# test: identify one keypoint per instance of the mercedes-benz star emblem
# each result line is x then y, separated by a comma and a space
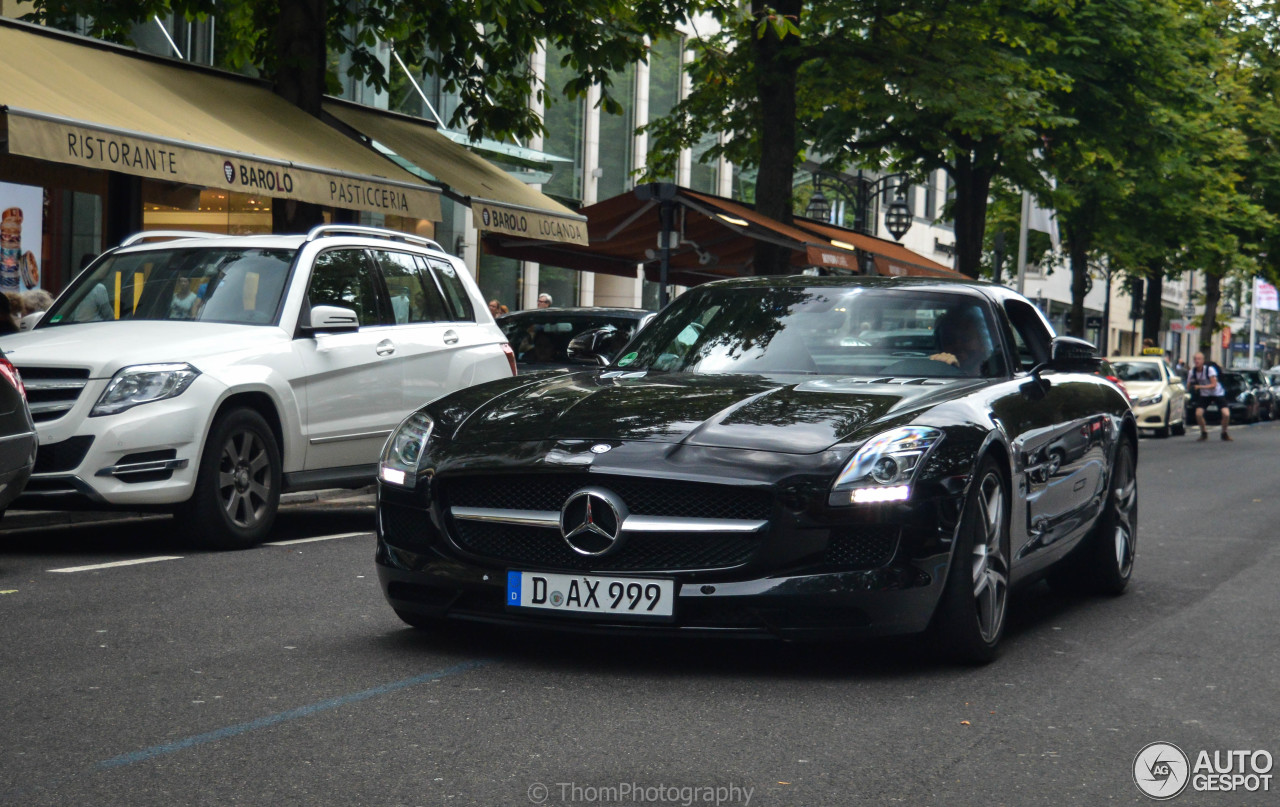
591, 521
601, 448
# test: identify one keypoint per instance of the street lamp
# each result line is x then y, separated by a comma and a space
819, 208
897, 218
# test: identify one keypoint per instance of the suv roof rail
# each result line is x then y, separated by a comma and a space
147, 235
322, 230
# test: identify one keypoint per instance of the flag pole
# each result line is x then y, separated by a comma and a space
1022, 243
1253, 319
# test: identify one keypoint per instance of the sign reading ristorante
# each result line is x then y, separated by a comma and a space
93, 148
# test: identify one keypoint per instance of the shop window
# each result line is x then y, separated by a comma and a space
501, 279
561, 284
168, 206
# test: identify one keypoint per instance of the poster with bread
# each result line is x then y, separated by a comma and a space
21, 236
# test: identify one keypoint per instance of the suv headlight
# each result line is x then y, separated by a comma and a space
884, 468
1150, 400
402, 455
141, 384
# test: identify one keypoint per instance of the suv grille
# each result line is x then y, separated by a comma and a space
52, 391
643, 497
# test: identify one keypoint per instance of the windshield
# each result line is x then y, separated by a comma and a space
822, 330
207, 285
1138, 371
543, 340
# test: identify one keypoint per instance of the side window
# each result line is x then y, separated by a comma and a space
414, 296
1030, 338
343, 277
454, 291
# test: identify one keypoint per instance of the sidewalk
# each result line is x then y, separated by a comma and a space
34, 519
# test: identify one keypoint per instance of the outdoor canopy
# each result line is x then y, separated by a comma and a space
715, 238
83, 102
500, 203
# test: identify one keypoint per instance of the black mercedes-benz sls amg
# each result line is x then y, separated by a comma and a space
797, 457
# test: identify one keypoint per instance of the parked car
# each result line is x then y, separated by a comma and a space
740, 470
540, 337
1155, 392
1242, 401
208, 374
1268, 403
17, 434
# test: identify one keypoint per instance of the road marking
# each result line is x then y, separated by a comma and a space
318, 538
292, 714
117, 563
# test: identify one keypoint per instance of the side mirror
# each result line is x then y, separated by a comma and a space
592, 347
333, 319
1068, 354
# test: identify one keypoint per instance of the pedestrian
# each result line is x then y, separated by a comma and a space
495, 307
35, 302
1206, 390
544, 300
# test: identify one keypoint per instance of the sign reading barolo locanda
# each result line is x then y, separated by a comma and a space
493, 217
91, 147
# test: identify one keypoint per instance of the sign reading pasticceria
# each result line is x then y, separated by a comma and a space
91, 147
538, 224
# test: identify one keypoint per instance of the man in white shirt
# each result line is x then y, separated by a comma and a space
1206, 389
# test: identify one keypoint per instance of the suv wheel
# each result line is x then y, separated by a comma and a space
238, 483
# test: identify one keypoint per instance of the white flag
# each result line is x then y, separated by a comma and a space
1046, 221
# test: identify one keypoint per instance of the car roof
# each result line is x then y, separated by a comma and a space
981, 288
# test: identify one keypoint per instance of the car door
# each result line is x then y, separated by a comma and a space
475, 353
1061, 437
427, 336
351, 380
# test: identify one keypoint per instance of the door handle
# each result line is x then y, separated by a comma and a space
451, 337
385, 348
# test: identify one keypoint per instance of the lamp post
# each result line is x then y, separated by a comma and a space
897, 218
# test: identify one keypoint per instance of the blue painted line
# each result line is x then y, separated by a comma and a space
292, 714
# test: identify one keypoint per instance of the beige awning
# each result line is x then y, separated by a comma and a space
500, 202
81, 102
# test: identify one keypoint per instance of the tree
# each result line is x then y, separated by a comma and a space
479, 50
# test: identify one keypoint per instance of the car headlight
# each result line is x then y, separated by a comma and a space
885, 467
402, 455
141, 384
1154, 399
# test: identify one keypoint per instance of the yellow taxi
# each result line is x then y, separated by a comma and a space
1156, 393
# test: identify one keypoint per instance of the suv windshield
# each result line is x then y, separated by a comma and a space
821, 330
205, 284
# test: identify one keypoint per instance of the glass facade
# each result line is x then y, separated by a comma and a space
666, 61
564, 121
617, 133
705, 176
561, 284
501, 279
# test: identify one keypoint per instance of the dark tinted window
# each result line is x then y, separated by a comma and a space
343, 277
455, 293
414, 295
1030, 339
545, 340
1138, 371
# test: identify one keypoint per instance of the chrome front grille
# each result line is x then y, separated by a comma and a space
52, 391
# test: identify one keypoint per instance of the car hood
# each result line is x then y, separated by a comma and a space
724, 411
1143, 389
105, 347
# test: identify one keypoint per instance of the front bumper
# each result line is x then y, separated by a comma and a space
796, 585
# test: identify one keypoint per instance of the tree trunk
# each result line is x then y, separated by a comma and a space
301, 45
973, 184
776, 85
1153, 310
1212, 294
1078, 248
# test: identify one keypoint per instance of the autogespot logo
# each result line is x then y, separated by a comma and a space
1161, 771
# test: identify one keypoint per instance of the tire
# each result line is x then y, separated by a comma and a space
1167, 429
237, 490
975, 598
1103, 564
1180, 428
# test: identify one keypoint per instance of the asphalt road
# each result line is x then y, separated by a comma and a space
278, 676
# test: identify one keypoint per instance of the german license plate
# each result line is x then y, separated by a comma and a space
628, 597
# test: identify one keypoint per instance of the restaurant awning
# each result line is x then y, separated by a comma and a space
501, 203
890, 258
716, 239
83, 102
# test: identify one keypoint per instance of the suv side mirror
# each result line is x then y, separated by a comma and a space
592, 347
1068, 354
333, 319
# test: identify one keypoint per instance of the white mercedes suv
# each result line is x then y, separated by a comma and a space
207, 374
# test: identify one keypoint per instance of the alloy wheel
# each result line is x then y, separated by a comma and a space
1125, 499
244, 479
990, 563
